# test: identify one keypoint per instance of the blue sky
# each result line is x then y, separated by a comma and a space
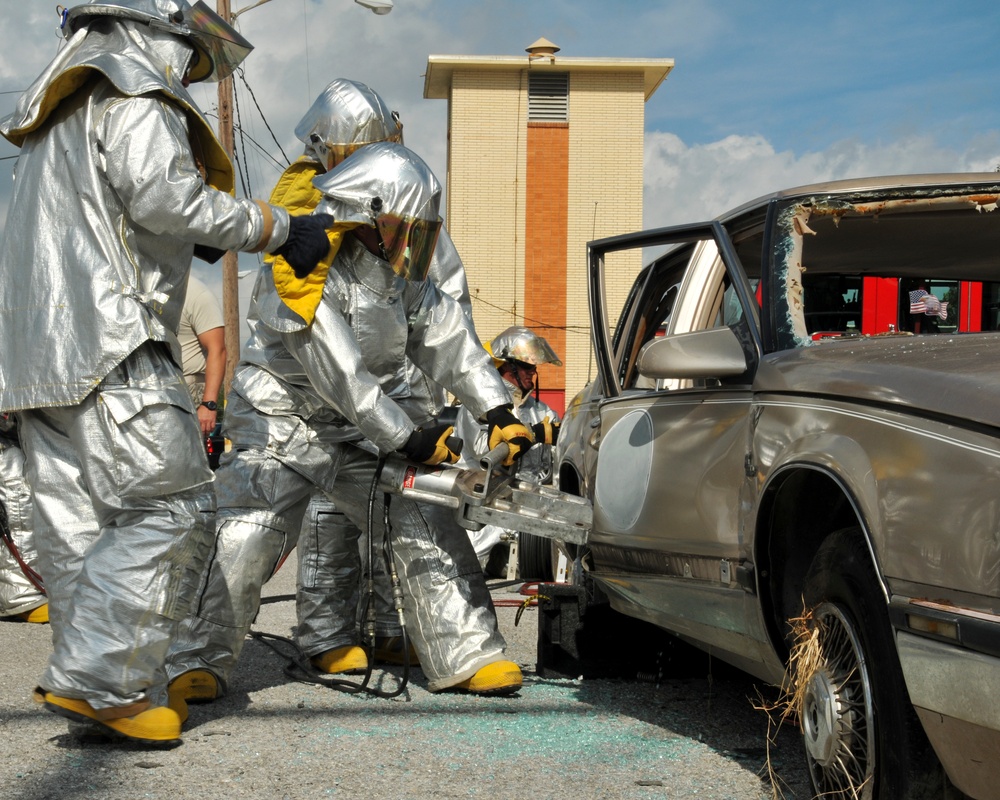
764, 95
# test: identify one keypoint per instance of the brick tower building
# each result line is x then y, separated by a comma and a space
545, 153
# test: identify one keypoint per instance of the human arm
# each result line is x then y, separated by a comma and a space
329, 355
162, 189
213, 342
443, 343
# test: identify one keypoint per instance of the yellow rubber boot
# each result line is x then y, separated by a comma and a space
349, 659
39, 615
177, 702
500, 677
92, 732
159, 726
195, 686
389, 650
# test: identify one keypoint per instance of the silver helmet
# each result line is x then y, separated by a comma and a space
219, 49
389, 188
523, 344
346, 116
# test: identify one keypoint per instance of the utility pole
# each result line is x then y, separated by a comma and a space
230, 261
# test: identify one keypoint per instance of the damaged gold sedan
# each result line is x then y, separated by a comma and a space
793, 454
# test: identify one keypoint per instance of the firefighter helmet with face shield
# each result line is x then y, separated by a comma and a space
388, 187
219, 49
347, 115
524, 345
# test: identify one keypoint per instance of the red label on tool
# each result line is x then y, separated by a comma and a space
410, 477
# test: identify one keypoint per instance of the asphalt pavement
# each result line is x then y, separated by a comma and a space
652, 736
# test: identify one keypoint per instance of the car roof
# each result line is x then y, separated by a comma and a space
874, 184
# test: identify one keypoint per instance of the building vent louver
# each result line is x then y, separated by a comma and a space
548, 97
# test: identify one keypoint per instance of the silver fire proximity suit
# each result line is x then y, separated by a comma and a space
21, 590
344, 117
118, 179
329, 561
316, 400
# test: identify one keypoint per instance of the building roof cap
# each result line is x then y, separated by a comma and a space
441, 68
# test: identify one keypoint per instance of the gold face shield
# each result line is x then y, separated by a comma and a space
407, 243
335, 153
218, 47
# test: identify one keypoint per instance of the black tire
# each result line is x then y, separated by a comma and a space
863, 740
534, 558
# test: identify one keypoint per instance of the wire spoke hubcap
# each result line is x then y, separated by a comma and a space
836, 711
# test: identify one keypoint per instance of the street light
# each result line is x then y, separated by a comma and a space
230, 261
377, 6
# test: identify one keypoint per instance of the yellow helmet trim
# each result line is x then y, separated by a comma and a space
497, 362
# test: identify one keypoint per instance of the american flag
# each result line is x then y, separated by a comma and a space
923, 302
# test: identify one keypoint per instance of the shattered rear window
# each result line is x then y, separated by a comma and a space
898, 263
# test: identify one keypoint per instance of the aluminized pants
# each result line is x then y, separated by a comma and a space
262, 501
17, 593
123, 523
449, 611
329, 601
261, 506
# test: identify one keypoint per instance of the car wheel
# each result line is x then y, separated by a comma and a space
862, 738
534, 557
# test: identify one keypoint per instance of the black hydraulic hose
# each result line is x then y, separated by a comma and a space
397, 590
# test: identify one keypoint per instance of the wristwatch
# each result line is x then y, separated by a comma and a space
211, 405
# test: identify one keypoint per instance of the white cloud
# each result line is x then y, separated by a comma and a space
694, 183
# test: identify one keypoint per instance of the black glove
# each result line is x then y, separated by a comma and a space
307, 243
433, 445
546, 431
505, 427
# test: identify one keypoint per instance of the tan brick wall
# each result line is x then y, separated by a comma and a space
486, 192
605, 199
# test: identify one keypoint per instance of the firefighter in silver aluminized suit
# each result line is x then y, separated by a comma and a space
22, 591
344, 117
315, 402
517, 353
118, 180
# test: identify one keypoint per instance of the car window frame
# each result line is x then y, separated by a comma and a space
608, 354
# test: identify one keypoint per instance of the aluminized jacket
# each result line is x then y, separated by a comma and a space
109, 202
295, 192
348, 367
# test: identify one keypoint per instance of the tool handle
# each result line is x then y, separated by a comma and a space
455, 443
495, 458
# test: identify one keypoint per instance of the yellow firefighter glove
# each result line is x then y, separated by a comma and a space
503, 426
